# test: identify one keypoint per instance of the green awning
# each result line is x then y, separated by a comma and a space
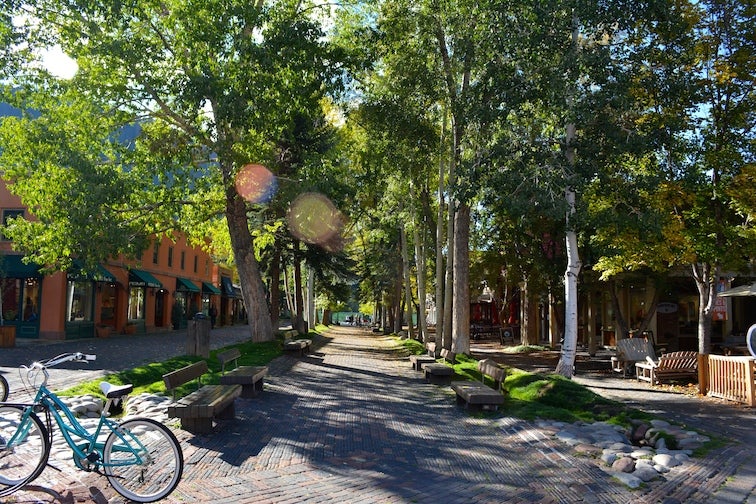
100, 274
13, 266
209, 288
228, 287
140, 278
184, 285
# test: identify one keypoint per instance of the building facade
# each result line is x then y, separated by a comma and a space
169, 285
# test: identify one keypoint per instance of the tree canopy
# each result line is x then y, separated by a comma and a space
434, 129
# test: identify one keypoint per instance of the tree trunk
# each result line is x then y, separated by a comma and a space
288, 294
620, 324
566, 365
275, 287
706, 282
461, 303
407, 282
528, 315
397, 301
298, 289
421, 279
311, 316
446, 341
253, 289
440, 268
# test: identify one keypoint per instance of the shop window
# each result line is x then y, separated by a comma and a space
107, 310
136, 303
79, 301
31, 300
11, 290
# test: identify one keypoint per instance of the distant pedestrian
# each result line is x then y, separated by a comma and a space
213, 316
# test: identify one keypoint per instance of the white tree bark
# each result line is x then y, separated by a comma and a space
566, 364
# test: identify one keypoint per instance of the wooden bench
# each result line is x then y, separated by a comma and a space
300, 346
249, 377
440, 373
198, 409
479, 395
429, 357
670, 366
631, 351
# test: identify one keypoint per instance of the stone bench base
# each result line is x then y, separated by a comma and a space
249, 377
438, 374
300, 346
477, 395
198, 409
417, 361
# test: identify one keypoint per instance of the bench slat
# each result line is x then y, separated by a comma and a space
227, 356
186, 374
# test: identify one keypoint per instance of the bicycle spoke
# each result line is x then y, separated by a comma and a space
143, 460
4, 389
24, 448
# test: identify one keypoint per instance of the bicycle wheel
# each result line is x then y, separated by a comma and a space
4, 390
143, 460
24, 448
751, 340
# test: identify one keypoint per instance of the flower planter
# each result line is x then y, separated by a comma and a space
7, 336
129, 329
103, 331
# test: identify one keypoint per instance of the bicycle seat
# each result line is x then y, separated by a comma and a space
115, 391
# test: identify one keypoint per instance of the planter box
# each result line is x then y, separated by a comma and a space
129, 329
7, 336
103, 331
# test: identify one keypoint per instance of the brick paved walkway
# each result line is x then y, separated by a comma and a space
352, 423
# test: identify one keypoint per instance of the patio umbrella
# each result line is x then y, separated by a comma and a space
743, 290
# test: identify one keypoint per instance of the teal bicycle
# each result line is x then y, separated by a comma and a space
140, 457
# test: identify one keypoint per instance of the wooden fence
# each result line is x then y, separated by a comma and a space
728, 377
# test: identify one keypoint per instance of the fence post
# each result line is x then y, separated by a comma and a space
750, 392
703, 373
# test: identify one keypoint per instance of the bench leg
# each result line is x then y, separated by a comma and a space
252, 390
228, 413
197, 425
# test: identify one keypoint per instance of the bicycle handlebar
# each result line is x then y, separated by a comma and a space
67, 357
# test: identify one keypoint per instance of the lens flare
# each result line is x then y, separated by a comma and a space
255, 183
314, 219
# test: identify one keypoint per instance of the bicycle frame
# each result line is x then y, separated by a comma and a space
90, 451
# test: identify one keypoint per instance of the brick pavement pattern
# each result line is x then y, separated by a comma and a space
353, 423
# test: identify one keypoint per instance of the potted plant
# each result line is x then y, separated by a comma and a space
103, 331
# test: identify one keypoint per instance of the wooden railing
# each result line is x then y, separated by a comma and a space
728, 377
